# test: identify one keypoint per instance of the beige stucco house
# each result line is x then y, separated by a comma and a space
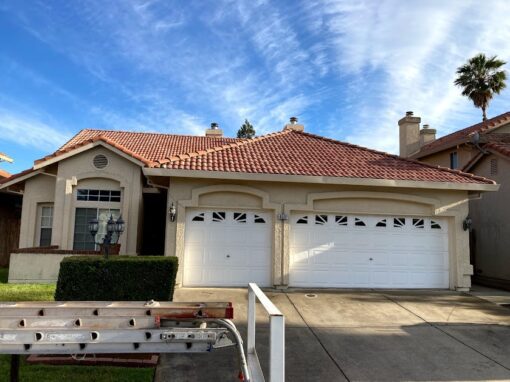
284, 209
484, 150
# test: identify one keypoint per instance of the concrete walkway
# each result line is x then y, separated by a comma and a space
364, 336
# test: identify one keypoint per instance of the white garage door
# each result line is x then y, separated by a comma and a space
334, 250
227, 248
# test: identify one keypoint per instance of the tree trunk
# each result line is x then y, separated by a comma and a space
484, 113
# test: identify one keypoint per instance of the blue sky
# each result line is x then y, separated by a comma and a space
348, 69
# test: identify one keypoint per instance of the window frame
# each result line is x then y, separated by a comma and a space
39, 224
454, 160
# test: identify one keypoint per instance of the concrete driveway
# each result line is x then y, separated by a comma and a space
364, 336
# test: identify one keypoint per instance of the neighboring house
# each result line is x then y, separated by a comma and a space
284, 209
484, 150
10, 218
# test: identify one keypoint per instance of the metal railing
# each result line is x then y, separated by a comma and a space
276, 337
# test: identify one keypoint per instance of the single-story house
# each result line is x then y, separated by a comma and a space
284, 209
484, 150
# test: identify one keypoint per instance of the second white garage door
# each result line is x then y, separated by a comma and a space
227, 248
335, 250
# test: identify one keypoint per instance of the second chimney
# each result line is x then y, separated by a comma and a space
294, 125
214, 131
427, 135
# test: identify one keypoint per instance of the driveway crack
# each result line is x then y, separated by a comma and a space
444, 332
318, 340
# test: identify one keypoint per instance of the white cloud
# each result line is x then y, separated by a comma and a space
30, 132
409, 51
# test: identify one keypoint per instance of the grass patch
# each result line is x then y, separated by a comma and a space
43, 373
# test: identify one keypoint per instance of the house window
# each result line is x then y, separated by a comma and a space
494, 166
83, 240
98, 195
45, 224
454, 161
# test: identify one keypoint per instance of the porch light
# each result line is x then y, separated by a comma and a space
172, 212
93, 227
467, 224
112, 227
119, 225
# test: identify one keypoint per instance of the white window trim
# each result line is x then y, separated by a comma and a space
38, 225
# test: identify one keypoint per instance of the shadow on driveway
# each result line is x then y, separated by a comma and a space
364, 336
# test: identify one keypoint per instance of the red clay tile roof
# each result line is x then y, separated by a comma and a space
461, 136
149, 146
287, 152
18, 175
4, 174
298, 153
500, 147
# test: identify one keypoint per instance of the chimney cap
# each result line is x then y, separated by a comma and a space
214, 125
293, 120
409, 113
426, 126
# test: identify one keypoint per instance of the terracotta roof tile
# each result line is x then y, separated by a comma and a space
461, 136
150, 146
298, 153
4, 174
287, 152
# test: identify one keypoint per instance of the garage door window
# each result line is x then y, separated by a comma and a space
198, 218
399, 222
359, 223
321, 219
302, 220
240, 217
434, 225
418, 223
341, 220
218, 216
258, 219
381, 223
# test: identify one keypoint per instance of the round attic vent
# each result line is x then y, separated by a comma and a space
100, 161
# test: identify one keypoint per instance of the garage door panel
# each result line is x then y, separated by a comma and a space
227, 248
368, 251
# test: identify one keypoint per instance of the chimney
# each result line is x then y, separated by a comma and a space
214, 131
294, 125
409, 127
427, 135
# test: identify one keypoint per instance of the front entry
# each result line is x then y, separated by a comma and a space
227, 248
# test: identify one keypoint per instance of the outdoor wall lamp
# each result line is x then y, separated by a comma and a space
172, 213
467, 224
112, 226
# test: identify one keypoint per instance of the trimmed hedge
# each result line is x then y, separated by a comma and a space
120, 278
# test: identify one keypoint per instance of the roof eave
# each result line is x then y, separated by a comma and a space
320, 179
87, 147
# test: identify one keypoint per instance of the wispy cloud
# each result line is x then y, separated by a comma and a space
352, 68
29, 132
407, 53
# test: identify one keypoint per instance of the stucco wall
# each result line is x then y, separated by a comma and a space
39, 189
38, 268
464, 155
491, 225
120, 173
288, 197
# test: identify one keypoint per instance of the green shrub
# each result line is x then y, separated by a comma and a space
120, 278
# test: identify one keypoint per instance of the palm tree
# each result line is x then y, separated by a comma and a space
480, 78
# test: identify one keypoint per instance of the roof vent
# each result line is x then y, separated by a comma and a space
293, 120
100, 161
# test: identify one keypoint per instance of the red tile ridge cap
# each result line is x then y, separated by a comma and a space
85, 142
394, 156
175, 158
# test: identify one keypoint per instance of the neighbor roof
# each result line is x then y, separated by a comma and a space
297, 153
461, 136
287, 152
